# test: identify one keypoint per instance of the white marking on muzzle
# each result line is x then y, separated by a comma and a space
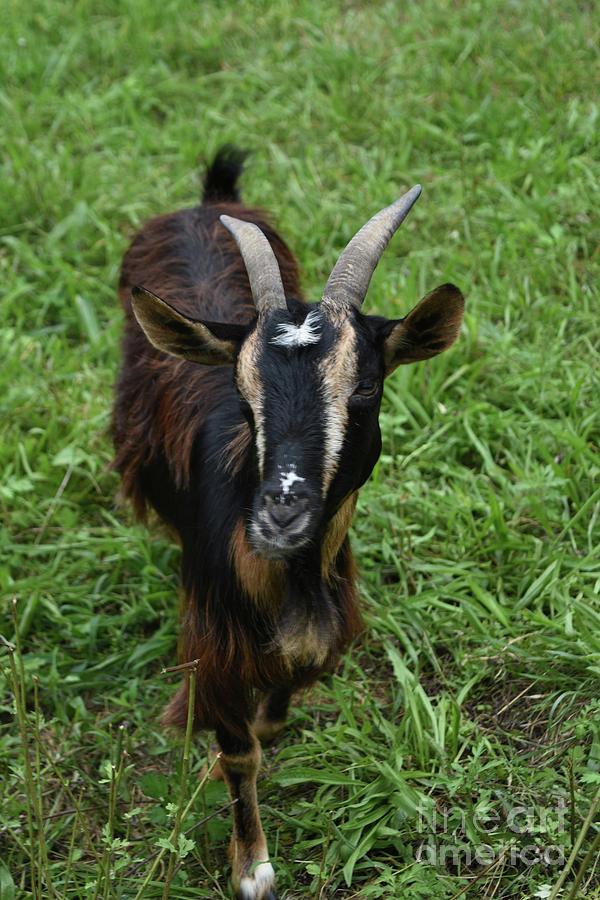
288, 478
309, 332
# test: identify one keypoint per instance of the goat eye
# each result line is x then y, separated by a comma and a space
366, 388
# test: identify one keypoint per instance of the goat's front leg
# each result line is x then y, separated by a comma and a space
252, 873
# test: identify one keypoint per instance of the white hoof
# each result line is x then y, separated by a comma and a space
258, 885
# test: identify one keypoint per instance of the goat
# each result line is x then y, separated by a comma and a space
248, 419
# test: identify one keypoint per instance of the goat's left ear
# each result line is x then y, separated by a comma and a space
430, 328
210, 343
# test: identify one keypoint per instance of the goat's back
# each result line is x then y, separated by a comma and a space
190, 260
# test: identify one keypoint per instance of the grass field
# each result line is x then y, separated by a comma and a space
456, 750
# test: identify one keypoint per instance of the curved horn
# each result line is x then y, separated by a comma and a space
352, 272
260, 261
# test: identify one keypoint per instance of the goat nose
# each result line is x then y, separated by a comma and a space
284, 508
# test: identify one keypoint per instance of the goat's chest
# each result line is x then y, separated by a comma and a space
307, 631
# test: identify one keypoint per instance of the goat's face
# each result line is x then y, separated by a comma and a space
309, 380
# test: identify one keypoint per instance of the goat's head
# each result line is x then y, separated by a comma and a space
309, 376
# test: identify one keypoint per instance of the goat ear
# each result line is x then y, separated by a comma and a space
430, 328
213, 344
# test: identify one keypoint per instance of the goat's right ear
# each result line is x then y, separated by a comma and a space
210, 343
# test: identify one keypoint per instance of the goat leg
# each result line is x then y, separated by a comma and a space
252, 873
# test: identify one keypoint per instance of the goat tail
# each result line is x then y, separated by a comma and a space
221, 178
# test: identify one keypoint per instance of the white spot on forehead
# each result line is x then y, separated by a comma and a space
288, 478
309, 332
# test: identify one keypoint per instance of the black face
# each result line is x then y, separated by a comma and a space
311, 382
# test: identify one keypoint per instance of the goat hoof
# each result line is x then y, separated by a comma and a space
260, 885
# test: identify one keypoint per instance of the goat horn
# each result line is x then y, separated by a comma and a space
260, 261
352, 273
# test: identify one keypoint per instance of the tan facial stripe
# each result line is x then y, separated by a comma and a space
339, 374
249, 383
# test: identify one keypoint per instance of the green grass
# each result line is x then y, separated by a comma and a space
463, 731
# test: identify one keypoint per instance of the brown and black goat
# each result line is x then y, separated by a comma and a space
248, 419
